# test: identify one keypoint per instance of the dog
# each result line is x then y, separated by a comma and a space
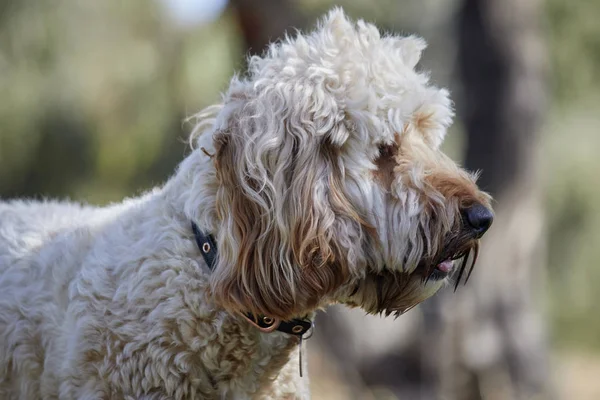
317, 180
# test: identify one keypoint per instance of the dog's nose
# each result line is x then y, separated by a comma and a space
479, 218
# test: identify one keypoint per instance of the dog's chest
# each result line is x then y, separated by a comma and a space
180, 348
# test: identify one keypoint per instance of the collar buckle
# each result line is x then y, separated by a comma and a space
261, 322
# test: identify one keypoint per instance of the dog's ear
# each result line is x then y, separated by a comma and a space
285, 220
433, 117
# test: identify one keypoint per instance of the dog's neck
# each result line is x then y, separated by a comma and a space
298, 326
152, 248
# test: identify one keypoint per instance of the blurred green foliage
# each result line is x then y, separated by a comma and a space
571, 165
95, 94
574, 41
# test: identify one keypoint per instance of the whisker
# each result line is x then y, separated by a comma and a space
426, 278
463, 265
475, 255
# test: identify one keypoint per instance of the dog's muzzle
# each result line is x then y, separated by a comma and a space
476, 221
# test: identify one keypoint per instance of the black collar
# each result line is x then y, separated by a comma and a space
208, 247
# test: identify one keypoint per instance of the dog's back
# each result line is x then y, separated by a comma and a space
35, 269
27, 225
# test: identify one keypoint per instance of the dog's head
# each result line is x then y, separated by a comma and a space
330, 185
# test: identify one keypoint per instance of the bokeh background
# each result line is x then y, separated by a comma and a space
93, 101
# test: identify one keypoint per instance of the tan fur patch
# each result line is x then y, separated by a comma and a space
424, 121
386, 162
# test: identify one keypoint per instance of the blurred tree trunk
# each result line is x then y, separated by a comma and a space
488, 340
265, 21
497, 336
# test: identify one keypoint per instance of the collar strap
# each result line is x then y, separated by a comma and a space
298, 327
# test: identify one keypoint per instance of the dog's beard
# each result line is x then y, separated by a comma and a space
394, 291
388, 292
460, 249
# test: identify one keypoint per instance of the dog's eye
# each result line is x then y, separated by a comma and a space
387, 150
385, 164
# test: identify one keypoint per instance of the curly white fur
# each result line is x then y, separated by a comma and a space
326, 179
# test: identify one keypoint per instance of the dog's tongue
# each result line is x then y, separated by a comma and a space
446, 266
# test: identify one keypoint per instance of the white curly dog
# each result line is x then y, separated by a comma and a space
317, 180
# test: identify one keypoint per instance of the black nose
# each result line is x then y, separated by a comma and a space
479, 218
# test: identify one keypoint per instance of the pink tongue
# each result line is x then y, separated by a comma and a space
445, 266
